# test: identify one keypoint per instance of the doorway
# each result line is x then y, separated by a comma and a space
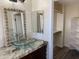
70, 32
58, 25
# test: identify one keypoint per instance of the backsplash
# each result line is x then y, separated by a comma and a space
7, 4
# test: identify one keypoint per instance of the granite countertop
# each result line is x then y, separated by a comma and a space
12, 53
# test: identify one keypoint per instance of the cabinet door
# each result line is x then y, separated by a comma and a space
28, 57
38, 54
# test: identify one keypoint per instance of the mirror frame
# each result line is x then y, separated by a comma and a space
7, 42
40, 12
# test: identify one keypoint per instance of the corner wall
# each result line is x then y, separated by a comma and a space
71, 10
47, 7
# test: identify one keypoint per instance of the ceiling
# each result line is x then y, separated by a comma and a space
69, 1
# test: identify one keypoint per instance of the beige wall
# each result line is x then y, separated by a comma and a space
71, 10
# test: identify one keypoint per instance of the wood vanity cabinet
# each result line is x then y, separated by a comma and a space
38, 54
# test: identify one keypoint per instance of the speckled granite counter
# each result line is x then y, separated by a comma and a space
12, 53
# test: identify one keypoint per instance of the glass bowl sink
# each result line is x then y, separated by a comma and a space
23, 44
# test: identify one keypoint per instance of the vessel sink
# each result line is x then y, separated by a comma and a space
23, 44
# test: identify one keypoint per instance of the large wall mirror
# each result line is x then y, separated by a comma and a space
38, 21
15, 25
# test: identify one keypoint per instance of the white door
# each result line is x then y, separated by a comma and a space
74, 37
